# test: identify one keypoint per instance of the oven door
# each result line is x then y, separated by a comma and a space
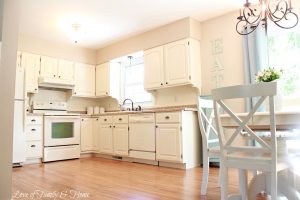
61, 130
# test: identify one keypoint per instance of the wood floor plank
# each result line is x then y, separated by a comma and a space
105, 179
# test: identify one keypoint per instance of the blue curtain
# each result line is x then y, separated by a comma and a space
255, 53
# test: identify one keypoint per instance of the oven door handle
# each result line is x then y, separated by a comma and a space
62, 117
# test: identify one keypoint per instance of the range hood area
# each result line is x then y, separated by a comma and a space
47, 82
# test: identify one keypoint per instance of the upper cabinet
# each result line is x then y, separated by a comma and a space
54, 68
31, 64
66, 70
84, 80
108, 80
173, 64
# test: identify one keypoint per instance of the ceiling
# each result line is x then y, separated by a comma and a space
103, 22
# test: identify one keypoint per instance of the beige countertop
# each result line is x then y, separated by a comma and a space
148, 110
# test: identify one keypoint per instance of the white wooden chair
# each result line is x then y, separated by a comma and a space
210, 138
246, 157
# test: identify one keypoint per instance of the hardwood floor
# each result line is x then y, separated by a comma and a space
98, 178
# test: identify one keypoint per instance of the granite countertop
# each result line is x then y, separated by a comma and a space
148, 110
144, 110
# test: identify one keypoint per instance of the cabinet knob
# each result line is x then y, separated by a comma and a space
106, 92
161, 83
75, 93
58, 76
35, 89
105, 119
109, 126
53, 75
167, 83
120, 119
167, 117
114, 126
97, 119
156, 126
32, 146
82, 119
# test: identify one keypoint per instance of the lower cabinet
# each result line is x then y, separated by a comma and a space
114, 135
34, 137
89, 131
178, 138
168, 142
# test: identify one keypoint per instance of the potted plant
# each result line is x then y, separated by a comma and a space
269, 75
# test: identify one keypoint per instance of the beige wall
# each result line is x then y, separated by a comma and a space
171, 32
7, 81
54, 49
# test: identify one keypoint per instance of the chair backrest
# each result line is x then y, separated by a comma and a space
262, 91
208, 131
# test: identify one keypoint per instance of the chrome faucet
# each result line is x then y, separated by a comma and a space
131, 103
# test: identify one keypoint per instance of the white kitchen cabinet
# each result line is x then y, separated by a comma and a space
88, 132
31, 64
57, 68
154, 67
102, 80
114, 135
65, 70
168, 142
84, 80
178, 138
108, 77
34, 137
106, 139
174, 64
48, 67
120, 139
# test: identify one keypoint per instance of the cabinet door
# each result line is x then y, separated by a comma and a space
65, 70
177, 63
120, 139
154, 68
84, 80
96, 134
168, 142
48, 67
106, 139
31, 64
87, 139
102, 79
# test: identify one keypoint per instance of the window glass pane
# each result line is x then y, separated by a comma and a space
62, 130
134, 81
284, 51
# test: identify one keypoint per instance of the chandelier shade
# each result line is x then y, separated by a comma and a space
252, 15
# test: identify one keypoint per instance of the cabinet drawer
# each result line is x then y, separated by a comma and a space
105, 119
120, 119
34, 120
34, 132
34, 149
168, 117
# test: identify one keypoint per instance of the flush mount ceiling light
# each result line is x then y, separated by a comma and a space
76, 32
254, 14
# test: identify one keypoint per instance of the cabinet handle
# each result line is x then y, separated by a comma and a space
167, 117
33, 120
33, 129
32, 146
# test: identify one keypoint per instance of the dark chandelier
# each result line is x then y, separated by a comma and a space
278, 11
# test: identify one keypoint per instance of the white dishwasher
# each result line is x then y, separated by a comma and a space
142, 136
